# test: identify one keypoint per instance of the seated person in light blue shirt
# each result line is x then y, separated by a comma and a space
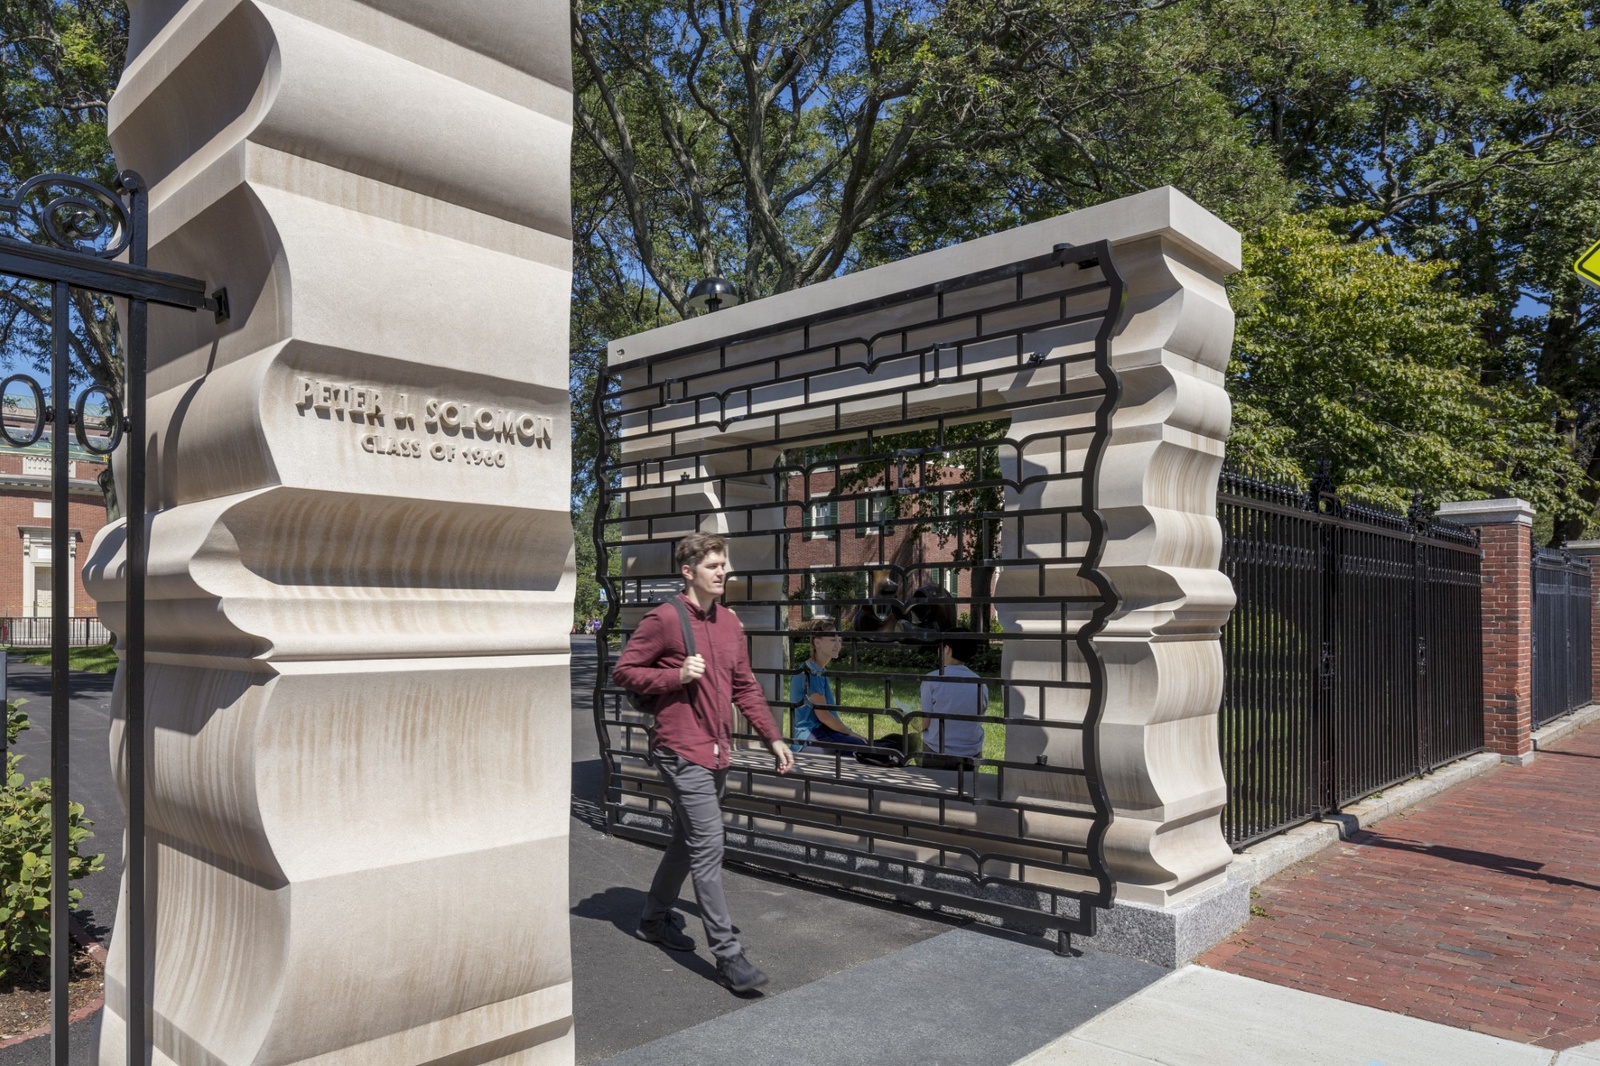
811, 692
953, 743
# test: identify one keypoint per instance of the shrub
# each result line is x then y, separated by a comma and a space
26, 865
16, 721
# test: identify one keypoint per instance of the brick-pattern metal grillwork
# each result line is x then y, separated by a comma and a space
902, 464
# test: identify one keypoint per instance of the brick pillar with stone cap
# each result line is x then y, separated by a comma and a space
1505, 532
1590, 550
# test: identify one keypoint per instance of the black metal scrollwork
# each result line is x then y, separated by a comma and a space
69, 212
19, 429
113, 420
38, 411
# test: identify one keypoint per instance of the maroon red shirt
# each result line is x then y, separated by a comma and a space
696, 723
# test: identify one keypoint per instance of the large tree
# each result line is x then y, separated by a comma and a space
59, 62
1466, 135
1373, 362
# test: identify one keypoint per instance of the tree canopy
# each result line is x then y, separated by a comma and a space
1412, 182
59, 63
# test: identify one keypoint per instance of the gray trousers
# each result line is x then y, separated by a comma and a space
695, 850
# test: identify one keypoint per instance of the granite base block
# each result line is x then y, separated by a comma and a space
1172, 936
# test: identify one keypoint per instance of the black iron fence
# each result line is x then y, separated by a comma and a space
1561, 634
861, 464
1353, 657
19, 632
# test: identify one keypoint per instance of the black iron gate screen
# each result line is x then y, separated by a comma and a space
899, 468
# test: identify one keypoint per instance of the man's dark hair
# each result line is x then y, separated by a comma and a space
695, 547
963, 643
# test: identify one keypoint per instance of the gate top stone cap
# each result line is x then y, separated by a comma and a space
1488, 512
1163, 212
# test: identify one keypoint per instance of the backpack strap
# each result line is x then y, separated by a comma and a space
683, 622
688, 633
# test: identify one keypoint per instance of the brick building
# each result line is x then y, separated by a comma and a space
848, 537
25, 551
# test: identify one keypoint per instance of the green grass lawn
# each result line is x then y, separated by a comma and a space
867, 692
101, 659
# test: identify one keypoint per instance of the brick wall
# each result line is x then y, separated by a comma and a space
24, 510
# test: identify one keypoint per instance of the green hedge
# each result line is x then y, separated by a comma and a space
26, 862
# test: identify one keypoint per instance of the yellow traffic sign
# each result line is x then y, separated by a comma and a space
1588, 265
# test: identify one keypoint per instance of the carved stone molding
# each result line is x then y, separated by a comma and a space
360, 552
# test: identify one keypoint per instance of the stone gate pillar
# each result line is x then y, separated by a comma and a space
1162, 648
360, 555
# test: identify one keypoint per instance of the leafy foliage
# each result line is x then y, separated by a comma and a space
16, 721
59, 62
27, 866
1375, 362
1458, 138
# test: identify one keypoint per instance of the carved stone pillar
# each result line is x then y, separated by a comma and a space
1163, 655
1161, 649
360, 555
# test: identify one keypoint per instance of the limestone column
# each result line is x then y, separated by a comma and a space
1162, 648
360, 555
1505, 532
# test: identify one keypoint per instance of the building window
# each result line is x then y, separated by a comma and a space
871, 514
834, 594
822, 518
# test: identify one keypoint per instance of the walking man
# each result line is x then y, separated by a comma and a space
691, 742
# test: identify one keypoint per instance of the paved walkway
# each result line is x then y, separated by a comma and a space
1463, 932
1204, 1017
1479, 909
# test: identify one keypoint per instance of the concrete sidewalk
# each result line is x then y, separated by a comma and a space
1203, 1017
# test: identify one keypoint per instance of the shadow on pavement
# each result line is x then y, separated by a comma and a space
622, 906
1505, 864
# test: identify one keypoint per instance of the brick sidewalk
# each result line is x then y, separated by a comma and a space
1479, 909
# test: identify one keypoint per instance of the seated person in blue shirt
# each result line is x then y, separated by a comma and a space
953, 743
811, 692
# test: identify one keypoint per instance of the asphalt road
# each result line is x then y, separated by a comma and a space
627, 992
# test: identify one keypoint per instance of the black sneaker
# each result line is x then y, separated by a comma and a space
665, 932
740, 974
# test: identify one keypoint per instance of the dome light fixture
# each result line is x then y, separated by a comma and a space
713, 294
